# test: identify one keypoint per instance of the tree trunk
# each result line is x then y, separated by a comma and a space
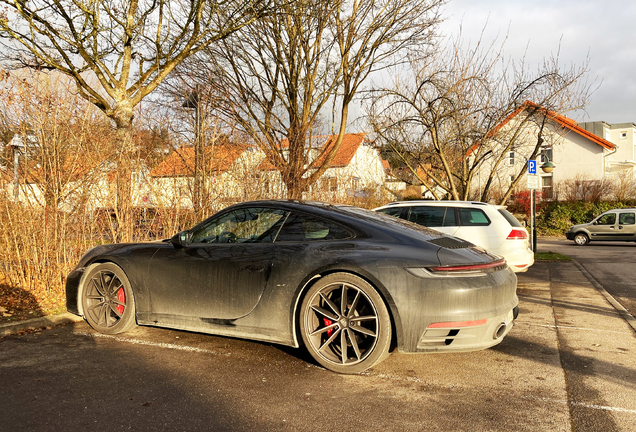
125, 157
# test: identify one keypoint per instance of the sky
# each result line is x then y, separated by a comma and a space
604, 31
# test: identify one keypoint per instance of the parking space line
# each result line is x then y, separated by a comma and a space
154, 344
568, 327
581, 404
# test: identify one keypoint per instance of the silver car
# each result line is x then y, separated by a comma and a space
613, 225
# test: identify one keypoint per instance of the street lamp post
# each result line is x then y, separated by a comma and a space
192, 101
547, 167
17, 145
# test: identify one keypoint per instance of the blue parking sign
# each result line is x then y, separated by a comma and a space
532, 167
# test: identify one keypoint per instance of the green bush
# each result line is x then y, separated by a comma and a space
554, 218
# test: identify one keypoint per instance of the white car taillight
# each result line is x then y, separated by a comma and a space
517, 234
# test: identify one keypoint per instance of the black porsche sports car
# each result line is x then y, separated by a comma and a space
346, 282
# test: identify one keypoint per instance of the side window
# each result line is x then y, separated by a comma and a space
301, 228
627, 218
395, 211
249, 225
473, 217
449, 217
608, 219
427, 216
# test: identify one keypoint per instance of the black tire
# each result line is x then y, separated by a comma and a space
581, 239
107, 299
347, 336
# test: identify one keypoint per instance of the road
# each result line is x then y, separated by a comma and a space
567, 365
612, 264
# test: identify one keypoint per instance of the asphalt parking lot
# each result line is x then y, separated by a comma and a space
567, 365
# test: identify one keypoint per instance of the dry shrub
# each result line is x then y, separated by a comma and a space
40, 249
579, 188
623, 185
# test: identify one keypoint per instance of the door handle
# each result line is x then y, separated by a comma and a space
252, 268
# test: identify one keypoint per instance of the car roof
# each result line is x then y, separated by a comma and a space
357, 218
450, 203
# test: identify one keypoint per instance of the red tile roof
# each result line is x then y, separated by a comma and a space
558, 118
180, 162
343, 157
350, 145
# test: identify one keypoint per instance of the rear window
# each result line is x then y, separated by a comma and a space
510, 218
473, 217
302, 228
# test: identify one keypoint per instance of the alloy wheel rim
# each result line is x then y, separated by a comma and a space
342, 324
105, 299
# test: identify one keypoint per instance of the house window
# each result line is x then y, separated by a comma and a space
355, 183
546, 187
333, 184
546, 154
512, 179
623, 135
511, 158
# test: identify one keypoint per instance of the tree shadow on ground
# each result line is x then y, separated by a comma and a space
17, 304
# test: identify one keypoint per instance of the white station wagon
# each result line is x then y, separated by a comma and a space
486, 225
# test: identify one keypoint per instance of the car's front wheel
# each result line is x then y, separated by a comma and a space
581, 239
345, 324
107, 299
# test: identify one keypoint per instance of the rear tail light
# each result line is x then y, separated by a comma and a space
468, 267
518, 234
468, 270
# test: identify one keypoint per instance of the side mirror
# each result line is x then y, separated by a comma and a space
595, 223
180, 239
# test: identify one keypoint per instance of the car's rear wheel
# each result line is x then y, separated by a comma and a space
581, 239
345, 324
107, 299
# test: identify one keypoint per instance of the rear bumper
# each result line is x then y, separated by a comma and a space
466, 311
519, 260
459, 338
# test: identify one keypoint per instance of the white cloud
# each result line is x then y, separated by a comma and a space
606, 31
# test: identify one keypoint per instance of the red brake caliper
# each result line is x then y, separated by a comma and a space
328, 322
121, 296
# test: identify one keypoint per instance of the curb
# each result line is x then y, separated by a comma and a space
624, 313
46, 321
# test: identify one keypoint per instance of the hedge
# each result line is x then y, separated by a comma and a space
554, 218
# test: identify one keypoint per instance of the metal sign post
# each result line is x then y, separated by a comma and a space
533, 184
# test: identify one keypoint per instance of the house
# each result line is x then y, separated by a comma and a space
623, 136
356, 170
582, 157
227, 175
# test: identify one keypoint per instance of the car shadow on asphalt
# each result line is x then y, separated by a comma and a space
581, 365
579, 306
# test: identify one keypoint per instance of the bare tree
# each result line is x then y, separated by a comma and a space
278, 77
119, 52
450, 119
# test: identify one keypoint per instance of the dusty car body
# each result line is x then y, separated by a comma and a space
345, 282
